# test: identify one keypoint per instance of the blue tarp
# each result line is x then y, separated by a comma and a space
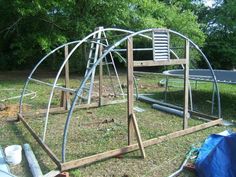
217, 156
4, 169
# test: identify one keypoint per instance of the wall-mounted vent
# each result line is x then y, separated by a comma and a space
160, 38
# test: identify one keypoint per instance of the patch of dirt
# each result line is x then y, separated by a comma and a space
11, 110
96, 123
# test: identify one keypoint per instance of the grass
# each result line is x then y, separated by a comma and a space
86, 137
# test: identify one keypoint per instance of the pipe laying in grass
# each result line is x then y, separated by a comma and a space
168, 110
32, 161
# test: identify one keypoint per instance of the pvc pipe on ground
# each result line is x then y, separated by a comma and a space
168, 110
154, 101
161, 106
32, 161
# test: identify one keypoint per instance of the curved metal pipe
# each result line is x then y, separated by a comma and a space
65, 61
210, 67
79, 91
46, 56
32, 72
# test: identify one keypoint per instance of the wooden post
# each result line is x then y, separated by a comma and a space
63, 98
186, 85
132, 122
130, 89
67, 80
100, 76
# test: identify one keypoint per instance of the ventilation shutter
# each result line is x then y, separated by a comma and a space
160, 39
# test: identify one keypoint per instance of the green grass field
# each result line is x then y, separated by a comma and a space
86, 137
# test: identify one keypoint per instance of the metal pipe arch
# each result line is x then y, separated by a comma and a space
209, 65
34, 69
63, 64
79, 91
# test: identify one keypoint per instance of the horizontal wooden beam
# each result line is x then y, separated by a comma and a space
202, 115
133, 147
144, 63
61, 110
182, 132
40, 142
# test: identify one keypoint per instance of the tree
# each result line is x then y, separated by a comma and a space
30, 29
221, 30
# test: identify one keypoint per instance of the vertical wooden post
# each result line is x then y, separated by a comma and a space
132, 122
130, 89
100, 76
186, 85
67, 80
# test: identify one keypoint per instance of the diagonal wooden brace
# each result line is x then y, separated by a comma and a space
138, 136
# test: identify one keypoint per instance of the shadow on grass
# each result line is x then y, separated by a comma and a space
27, 138
202, 101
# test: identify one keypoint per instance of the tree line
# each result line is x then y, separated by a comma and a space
29, 30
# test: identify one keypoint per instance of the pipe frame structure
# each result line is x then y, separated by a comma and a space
63, 165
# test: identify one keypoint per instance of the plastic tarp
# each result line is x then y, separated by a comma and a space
4, 169
217, 156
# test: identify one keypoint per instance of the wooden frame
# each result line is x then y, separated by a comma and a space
101, 156
133, 129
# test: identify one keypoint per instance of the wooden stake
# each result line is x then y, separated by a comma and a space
186, 85
63, 100
100, 76
67, 80
140, 143
130, 89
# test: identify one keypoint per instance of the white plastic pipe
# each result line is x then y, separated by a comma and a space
32, 161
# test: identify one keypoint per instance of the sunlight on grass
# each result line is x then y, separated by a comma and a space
89, 134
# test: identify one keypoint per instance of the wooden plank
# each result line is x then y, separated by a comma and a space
101, 156
159, 63
138, 136
63, 99
40, 142
186, 86
133, 147
60, 110
100, 76
130, 89
209, 117
182, 132
67, 80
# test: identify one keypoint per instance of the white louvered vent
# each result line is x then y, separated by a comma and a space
160, 38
